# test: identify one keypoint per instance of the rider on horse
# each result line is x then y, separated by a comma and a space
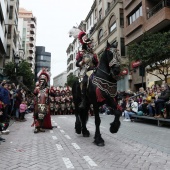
87, 61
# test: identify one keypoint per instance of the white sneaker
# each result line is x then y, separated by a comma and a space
126, 120
5, 132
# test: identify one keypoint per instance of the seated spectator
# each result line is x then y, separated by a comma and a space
166, 113
150, 103
143, 107
161, 100
131, 109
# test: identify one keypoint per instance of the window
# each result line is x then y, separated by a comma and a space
135, 15
95, 13
100, 14
122, 44
121, 18
11, 12
8, 50
108, 5
112, 23
9, 31
1, 15
100, 35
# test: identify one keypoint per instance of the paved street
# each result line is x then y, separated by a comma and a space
135, 146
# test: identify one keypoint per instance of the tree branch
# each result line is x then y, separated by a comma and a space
155, 75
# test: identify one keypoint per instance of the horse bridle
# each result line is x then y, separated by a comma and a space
114, 61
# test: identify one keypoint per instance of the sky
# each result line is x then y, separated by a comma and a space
54, 20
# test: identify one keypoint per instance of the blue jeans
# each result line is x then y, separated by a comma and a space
150, 109
17, 113
128, 114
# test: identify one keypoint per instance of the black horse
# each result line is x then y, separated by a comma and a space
102, 88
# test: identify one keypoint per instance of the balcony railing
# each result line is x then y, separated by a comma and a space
158, 7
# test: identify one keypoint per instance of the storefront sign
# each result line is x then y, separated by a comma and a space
135, 64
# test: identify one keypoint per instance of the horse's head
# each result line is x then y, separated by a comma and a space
113, 58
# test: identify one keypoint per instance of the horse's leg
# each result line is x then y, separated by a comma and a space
114, 126
84, 118
98, 140
78, 122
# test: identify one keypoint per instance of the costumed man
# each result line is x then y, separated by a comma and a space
42, 117
57, 101
87, 61
52, 100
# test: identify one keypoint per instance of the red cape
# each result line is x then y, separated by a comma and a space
47, 122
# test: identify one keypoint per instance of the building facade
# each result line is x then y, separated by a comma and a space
104, 22
4, 17
42, 59
144, 16
27, 30
13, 34
60, 80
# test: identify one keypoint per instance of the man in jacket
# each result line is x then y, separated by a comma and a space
161, 100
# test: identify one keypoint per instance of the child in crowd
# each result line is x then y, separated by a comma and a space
22, 109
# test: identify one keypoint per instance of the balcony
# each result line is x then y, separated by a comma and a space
32, 25
30, 48
32, 37
30, 57
32, 31
158, 7
110, 6
134, 26
158, 17
99, 22
31, 44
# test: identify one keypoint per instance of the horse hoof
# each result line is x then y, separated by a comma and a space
86, 133
114, 127
99, 143
78, 131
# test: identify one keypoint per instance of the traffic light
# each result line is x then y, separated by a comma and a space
141, 71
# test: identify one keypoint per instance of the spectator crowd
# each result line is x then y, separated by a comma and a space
153, 102
15, 102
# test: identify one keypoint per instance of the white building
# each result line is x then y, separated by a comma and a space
12, 36
60, 80
27, 31
4, 15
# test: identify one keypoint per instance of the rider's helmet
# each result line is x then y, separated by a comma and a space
43, 76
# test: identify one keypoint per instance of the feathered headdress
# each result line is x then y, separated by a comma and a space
74, 32
44, 73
